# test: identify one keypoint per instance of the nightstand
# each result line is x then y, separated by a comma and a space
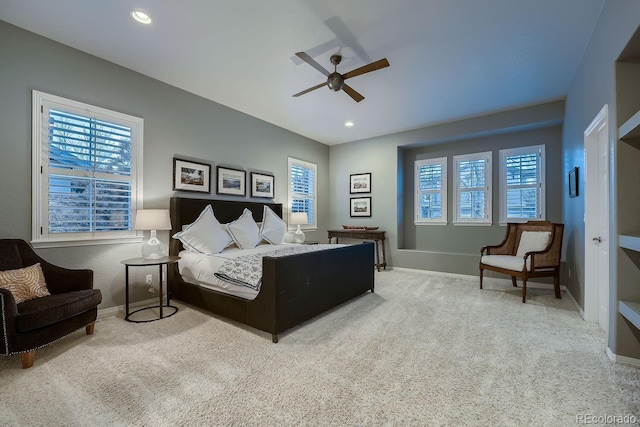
162, 264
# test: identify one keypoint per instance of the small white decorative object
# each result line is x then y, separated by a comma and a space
299, 218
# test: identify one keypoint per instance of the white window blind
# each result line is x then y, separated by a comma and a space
89, 174
302, 189
522, 184
431, 191
85, 172
473, 189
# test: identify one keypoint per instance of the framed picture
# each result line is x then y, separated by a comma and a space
360, 183
361, 206
573, 182
191, 176
231, 181
262, 185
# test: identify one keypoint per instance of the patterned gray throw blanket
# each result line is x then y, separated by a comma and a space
246, 270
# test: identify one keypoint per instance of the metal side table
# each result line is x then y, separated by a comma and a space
162, 264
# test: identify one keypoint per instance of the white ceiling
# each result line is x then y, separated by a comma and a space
450, 59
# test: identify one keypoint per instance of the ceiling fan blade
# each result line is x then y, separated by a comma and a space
310, 89
309, 60
382, 63
352, 93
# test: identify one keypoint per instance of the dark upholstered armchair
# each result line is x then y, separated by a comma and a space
531, 249
29, 325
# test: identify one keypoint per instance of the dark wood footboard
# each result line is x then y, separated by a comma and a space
294, 289
299, 287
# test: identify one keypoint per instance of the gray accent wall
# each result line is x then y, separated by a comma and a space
176, 123
468, 240
390, 160
592, 88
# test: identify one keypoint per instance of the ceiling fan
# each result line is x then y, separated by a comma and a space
335, 80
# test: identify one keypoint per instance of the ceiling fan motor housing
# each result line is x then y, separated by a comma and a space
335, 81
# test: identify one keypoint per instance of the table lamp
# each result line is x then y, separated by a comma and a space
298, 218
153, 219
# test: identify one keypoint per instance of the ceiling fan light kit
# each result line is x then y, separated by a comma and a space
335, 80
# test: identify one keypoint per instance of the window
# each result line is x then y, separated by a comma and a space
431, 191
472, 190
303, 189
87, 172
522, 184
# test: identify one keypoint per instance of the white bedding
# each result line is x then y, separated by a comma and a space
200, 269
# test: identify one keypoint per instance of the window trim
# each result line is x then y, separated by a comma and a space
293, 161
488, 220
40, 172
541, 196
417, 220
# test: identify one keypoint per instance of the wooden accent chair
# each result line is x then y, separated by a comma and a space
531, 249
29, 325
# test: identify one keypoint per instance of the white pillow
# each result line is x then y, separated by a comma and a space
273, 227
245, 231
531, 241
205, 235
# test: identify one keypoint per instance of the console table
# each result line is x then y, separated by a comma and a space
375, 235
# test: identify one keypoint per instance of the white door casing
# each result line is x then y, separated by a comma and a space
597, 242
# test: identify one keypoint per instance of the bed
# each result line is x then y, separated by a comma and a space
294, 288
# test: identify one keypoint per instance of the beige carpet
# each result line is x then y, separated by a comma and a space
423, 350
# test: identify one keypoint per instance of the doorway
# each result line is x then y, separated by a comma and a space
596, 218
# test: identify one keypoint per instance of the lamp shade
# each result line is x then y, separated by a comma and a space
299, 218
153, 219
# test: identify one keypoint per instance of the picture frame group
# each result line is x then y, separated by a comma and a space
360, 183
189, 175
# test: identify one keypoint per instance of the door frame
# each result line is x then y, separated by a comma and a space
592, 286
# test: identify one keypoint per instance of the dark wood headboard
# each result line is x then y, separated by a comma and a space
185, 211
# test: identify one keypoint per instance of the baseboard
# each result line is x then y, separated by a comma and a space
119, 309
575, 303
623, 360
434, 273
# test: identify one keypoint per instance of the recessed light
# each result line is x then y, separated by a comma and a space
348, 123
141, 16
